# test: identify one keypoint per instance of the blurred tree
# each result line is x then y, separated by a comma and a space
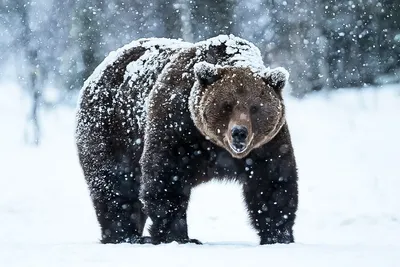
90, 18
35, 83
388, 33
185, 16
31, 74
252, 21
63, 53
297, 43
349, 29
210, 18
326, 43
169, 13
129, 20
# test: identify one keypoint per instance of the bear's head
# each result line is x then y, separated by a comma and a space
236, 108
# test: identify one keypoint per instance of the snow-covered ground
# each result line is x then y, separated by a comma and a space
347, 146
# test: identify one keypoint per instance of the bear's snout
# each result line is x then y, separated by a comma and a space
239, 135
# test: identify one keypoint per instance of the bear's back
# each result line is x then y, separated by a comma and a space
114, 99
141, 75
118, 87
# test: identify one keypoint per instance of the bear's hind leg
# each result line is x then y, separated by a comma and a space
118, 209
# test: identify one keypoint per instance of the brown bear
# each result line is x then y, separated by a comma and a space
160, 116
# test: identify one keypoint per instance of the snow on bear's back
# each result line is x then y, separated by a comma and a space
113, 56
240, 53
158, 52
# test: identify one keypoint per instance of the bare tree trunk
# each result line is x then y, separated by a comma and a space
32, 81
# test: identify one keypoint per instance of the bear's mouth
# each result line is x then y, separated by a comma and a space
239, 149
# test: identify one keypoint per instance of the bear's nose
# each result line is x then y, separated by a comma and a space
239, 134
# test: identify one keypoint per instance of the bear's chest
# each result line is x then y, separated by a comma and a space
216, 162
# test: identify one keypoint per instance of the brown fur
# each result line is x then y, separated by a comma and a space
239, 97
146, 137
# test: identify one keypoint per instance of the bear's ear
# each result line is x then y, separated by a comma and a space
206, 73
277, 78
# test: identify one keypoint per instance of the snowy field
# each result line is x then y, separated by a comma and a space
347, 147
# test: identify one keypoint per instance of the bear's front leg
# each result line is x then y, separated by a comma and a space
271, 195
165, 192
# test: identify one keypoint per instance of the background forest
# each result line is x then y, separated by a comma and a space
324, 43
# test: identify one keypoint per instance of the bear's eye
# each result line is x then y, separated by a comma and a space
254, 109
227, 107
